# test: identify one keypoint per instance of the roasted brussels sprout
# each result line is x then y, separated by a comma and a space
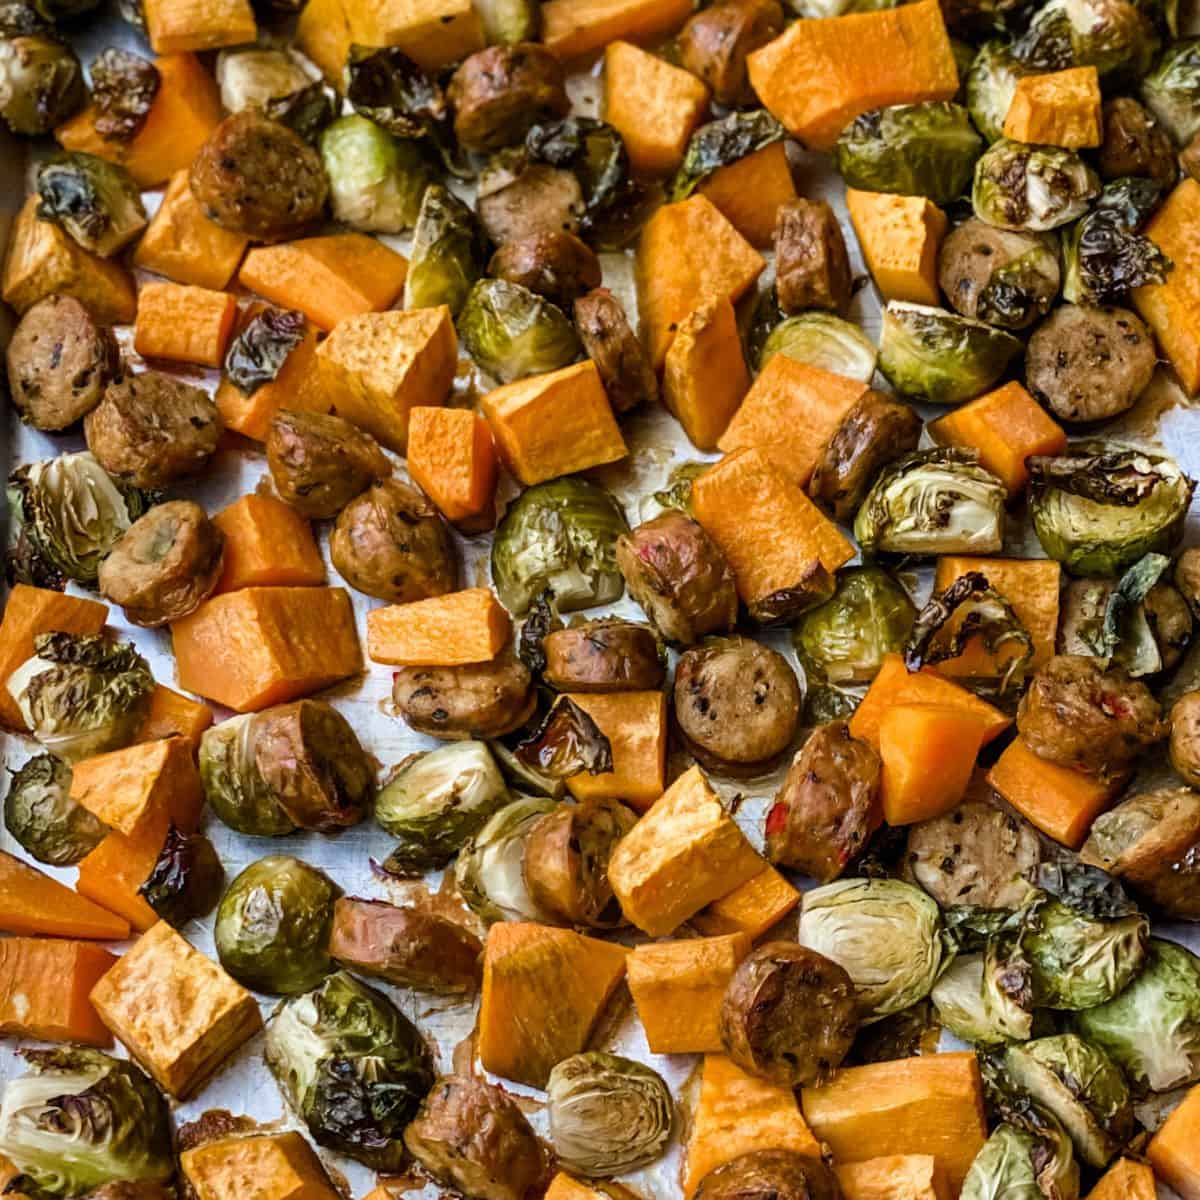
484, 700
971, 1005
507, 22
1172, 90
257, 354
512, 332
938, 357
933, 502
1081, 1086
1116, 37
68, 514
1001, 276
676, 494
80, 696
566, 742
251, 76
926, 149
352, 1065
500, 93
886, 934
1034, 188
41, 81
812, 269
186, 880
520, 198
42, 817
608, 1114
81, 1119
609, 341
376, 181
1135, 144
1098, 509
474, 1138
272, 929
434, 802
721, 143
447, 255
559, 536
846, 639
165, 565
823, 340
990, 83
319, 462
770, 1175
233, 785
1020, 1164
608, 655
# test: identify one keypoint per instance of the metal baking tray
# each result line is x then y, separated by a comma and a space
244, 1085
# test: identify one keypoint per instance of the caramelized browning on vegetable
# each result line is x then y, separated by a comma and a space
715, 42
500, 93
555, 264
608, 655
484, 700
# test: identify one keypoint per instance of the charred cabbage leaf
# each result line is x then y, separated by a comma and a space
720, 143
986, 998
40, 814
512, 332
186, 879
256, 356
1035, 188
566, 743
448, 253
124, 86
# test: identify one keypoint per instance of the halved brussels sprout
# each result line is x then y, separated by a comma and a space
376, 181
559, 536
250, 76
490, 872
933, 502
1035, 188
926, 149
97, 202
1105, 255
81, 1119
1116, 37
1081, 1086
566, 743
717, 144
823, 340
80, 696
512, 332
1018, 1164
272, 928
41, 81
40, 814
448, 252
68, 513
509, 22
233, 785
1172, 90
990, 84
353, 1066
437, 800
939, 357
185, 882
608, 1114
1100, 508
124, 86
971, 1007
886, 934
845, 639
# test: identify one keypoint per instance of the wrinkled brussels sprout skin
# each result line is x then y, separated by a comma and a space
960, 1000
353, 1066
124, 86
233, 786
448, 252
1034, 188
1114, 36
41, 81
256, 356
40, 814
1172, 90
770, 1175
1014, 1162
186, 881
990, 83
512, 332
273, 923
819, 339
721, 143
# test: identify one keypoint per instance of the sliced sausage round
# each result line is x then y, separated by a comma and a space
482, 700
555, 264
812, 269
609, 341
500, 93
608, 655
519, 199
770, 1175
1135, 143
715, 42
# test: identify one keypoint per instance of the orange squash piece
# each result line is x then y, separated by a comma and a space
931, 1104
1125, 1180
928, 752
894, 684
900, 237
182, 323
543, 993
554, 424
113, 873
688, 254
737, 1114
270, 1166
33, 904
470, 626
1061, 108
790, 413
1005, 427
43, 260
179, 26
820, 74
774, 536
572, 28
452, 459
186, 109
758, 905
324, 36
44, 989
896, 1177
566, 1187
29, 612
704, 374
637, 83
1172, 309
636, 725
750, 192
1174, 1151
327, 278
678, 988
1030, 585
172, 714
433, 33
184, 245
1060, 801
267, 544
264, 645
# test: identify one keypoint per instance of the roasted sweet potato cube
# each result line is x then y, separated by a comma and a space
434, 33
452, 458
112, 875
267, 544
1061, 108
44, 989
470, 626
323, 34
1174, 1151
172, 714
34, 904
913, 1176
175, 26
567, 1187
812, 268
635, 724
750, 192
572, 28
1125, 1180
900, 237
752, 909
269, 1166
185, 324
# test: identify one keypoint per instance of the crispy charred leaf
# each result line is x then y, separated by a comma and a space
96, 201
523, 777
1125, 617
1088, 891
911, 1031
566, 743
305, 112
987, 615
1034, 188
720, 143
124, 85
1121, 477
256, 356
186, 880
40, 814
542, 620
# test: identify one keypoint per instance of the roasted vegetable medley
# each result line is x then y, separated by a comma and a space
599, 601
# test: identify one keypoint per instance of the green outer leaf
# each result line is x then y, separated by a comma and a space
720, 143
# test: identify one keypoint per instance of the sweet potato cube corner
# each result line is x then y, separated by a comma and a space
271, 1166
1061, 108
470, 626
900, 237
636, 726
175, 26
267, 544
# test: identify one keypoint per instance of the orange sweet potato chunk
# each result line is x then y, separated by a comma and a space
900, 237
572, 28
44, 989
265, 645
452, 459
470, 626
29, 612
181, 323
1174, 1151
323, 34
1125, 1180
275, 1166
756, 906
33, 904
174, 715
750, 192
267, 544
635, 724
910, 1176
820, 74
177, 26
688, 254
112, 873
1061, 108
434, 33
